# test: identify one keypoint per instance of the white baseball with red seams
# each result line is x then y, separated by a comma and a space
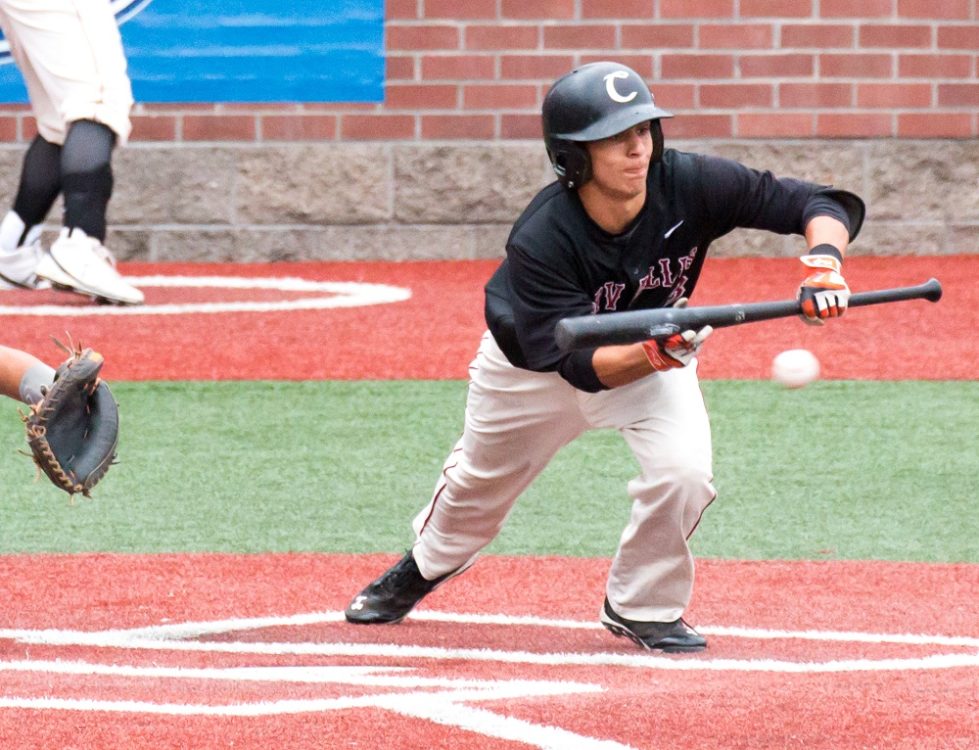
795, 368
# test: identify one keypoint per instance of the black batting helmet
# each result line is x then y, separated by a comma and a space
593, 102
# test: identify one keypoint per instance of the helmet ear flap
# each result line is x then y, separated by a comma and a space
571, 162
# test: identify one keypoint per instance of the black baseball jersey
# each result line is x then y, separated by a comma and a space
559, 263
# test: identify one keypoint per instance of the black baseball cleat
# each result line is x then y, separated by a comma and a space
392, 596
671, 637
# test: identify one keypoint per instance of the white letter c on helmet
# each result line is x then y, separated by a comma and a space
610, 88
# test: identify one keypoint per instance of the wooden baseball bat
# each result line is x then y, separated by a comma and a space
628, 327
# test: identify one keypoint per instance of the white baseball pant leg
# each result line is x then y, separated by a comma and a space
71, 56
664, 421
516, 420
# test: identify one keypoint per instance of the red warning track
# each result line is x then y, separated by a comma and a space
433, 334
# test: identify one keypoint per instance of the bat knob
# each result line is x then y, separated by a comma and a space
564, 336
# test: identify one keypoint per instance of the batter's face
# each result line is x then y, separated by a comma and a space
619, 164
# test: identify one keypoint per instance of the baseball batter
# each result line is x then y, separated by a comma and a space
72, 60
627, 225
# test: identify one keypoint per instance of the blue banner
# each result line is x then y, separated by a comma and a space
244, 51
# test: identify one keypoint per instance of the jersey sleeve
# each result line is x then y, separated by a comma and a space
541, 296
734, 195
846, 207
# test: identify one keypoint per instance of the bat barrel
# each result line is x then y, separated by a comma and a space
628, 327
592, 331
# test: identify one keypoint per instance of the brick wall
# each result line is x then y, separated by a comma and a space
879, 96
730, 68
478, 69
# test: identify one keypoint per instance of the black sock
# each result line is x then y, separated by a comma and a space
40, 183
86, 176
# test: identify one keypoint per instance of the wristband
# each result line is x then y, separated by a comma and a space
827, 249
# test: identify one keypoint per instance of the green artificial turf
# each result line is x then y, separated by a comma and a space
838, 470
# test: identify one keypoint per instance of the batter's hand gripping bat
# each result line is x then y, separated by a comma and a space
631, 326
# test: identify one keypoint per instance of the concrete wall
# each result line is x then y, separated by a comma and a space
411, 201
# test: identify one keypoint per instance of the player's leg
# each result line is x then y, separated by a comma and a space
26, 28
72, 59
22, 375
20, 230
664, 421
40, 180
78, 258
88, 112
86, 176
515, 422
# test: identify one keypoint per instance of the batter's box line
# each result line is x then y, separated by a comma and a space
186, 630
440, 700
179, 637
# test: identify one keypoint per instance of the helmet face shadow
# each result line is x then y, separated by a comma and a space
593, 102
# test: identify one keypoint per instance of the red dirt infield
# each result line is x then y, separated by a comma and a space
215, 651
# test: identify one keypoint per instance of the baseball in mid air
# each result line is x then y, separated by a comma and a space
795, 368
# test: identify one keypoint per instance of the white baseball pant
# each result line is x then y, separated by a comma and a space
71, 57
516, 420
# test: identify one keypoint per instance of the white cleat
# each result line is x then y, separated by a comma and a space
18, 265
84, 265
52, 273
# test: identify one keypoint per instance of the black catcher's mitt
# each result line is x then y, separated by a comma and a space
73, 430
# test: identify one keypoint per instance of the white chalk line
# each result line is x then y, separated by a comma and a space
179, 637
447, 705
638, 660
449, 709
184, 630
338, 294
441, 700
373, 676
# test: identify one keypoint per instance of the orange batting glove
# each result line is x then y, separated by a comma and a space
675, 351
824, 292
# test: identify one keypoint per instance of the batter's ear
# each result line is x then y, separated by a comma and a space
657, 131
